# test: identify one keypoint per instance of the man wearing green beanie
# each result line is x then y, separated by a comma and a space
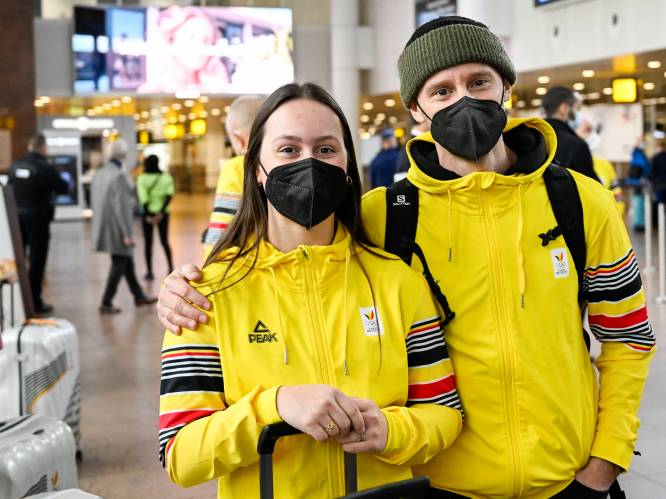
477, 214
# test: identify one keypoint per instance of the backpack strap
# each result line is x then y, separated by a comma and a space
568, 210
402, 216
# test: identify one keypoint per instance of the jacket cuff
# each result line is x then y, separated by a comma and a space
614, 449
398, 432
265, 406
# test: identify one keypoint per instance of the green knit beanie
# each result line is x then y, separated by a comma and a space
446, 42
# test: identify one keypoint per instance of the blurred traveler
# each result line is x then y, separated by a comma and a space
563, 114
639, 168
402, 164
35, 181
155, 191
380, 386
112, 203
657, 174
520, 270
382, 167
230, 182
604, 169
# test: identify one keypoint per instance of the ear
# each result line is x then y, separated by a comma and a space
242, 141
563, 109
416, 113
507, 90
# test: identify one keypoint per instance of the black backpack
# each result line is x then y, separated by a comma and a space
402, 212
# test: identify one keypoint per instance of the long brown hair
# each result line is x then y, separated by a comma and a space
250, 224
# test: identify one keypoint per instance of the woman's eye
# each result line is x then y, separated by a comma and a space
287, 149
326, 150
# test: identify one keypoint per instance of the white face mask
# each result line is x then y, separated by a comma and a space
575, 121
593, 141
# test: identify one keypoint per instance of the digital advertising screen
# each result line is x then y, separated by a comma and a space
66, 167
216, 50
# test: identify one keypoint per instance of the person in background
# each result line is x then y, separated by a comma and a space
112, 203
602, 167
639, 168
402, 163
382, 167
563, 114
657, 174
155, 190
230, 183
35, 181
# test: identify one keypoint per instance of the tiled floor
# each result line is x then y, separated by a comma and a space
120, 368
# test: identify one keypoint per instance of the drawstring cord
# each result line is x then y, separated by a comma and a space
279, 314
521, 256
346, 293
450, 224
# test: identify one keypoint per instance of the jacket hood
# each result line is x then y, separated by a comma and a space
532, 139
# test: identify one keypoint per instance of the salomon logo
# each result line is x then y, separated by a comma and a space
401, 200
261, 334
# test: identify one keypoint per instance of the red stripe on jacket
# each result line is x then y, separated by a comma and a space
429, 390
172, 419
623, 321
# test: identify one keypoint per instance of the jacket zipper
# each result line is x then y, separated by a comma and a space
334, 454
507, 356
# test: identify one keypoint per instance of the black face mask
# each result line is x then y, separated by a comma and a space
470, 128
306, 191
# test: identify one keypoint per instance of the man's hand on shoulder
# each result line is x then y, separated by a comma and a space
175, 304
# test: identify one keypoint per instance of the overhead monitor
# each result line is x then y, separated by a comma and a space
187, 50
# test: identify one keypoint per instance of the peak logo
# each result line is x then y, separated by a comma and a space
560, 261
372, 324
261, 334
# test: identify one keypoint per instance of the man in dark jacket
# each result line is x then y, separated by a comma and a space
562, 112
382, 167
35, 181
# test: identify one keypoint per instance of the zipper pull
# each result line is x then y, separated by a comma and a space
305, 254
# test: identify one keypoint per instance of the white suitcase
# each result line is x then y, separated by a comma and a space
66, 494
39, 369
37, 454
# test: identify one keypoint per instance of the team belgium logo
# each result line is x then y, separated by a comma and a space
372, 324
261, 334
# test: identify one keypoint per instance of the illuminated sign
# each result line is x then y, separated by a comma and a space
625, 90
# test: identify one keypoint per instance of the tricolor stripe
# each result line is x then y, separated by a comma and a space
614, 281
431, 378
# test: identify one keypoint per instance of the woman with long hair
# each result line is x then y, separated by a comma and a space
309, 325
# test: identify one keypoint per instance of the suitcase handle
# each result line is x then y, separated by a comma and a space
266, 446
406, 489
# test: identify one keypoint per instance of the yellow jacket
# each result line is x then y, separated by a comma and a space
533, 412
227, 200
306, 316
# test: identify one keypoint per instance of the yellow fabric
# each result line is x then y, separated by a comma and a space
533, 412
606, 173
227, 201
302, 293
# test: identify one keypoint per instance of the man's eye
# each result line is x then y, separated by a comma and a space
442, 92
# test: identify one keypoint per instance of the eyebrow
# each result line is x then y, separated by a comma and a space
299, 139
444, 81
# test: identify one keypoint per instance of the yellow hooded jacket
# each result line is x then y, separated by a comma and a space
534, 413
338, 315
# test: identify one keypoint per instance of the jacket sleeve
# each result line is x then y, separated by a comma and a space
618, 319
200, 436
120, 201
432, 418
54, 181
141, 191
227, 201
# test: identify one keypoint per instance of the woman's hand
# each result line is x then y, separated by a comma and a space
321, 411
374, 438
174, 303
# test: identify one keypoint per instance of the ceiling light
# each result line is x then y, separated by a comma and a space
227, 108
176, 106
137, 116
145, 114
154, 112
365, 118
115, 102
191, 116
654, 64
579, 86
393, 119
607, 91
544, 80
126, 99
203, 114
588, 73
648, 86
380, 116
368, 106
536, 102
541, 91
215, 111
593, 95
38, 103
106, 106
164, 109
189, 103
389, 102
203, 99
520, 103
182, 118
